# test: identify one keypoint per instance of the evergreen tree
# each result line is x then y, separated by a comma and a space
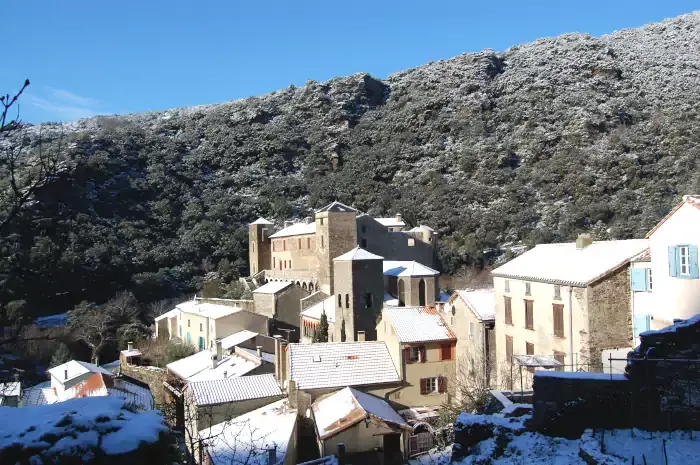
61, 355
322, 329
315, 336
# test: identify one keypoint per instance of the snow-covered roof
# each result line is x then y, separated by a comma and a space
208, 310
481, 301
341, 364
390, 222
567, 265
75, 369
10, 389
199, 367
131, 353
348, 407
224, 391
390, 300
543, 361
169, 314
315, 311
273, 287
296, 229
421, 228
262, 220
407, 268
336, 207
51, 321
692, 200
237, 338
132, 393
44, 394
84, 425
358, 253
246, 439
266, 356
418, 324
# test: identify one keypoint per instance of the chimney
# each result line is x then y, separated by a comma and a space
398, 218
341, 453
214, 362
271, 455
219, 349
130, 346
225, 373
361, 336
307, 220
283, 360
278, 353
287, 223
583, 241
259, 350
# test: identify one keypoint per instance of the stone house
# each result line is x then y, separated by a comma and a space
643, 307
673, 245
422, 347
471, 313
303, 252
201, 323
279, 301
569, 301
371, 430
410, 283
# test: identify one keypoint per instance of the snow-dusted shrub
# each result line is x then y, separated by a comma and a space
91, 430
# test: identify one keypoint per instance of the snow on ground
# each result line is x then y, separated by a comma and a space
75, 427
644, 447
433, 457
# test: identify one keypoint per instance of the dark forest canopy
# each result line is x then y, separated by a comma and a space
534, 144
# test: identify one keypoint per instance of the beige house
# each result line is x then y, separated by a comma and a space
569, 301
201, 323
423, 348
471, 314
210, 402
364, 423
303, 252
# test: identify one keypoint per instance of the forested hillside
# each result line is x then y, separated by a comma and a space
536, 143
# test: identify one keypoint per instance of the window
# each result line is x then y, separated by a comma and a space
321, 221
530, 350
446, 352
363, 243
649, 283
308, 242
340, 300
284, 244
299, 241
507, 285
347, 300
188, 323
180, 330
558, 317
557, 292
321, 236
411, 242
509, 311
368, 300
509, 348
414, 354
683, 261
252, 245
559, 357
201, 343
274, 262
280, 264
200, 327
527, 289
431, 385
189, 339
274, 246
472, 330
529, 318
290, 263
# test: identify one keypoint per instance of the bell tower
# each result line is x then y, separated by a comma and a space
259, 245
336, 233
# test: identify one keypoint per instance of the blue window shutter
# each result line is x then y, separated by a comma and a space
693, 249
639, 323
638, 279
673, 261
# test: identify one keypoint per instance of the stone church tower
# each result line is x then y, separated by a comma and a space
336, 233
358, 286
259, 232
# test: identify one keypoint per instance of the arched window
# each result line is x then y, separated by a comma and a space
340, 300
347, 300
421, 293
402, 293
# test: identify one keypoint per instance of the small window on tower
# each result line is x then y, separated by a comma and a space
340, 300
368, 300
363, 243
252, 245
347, 300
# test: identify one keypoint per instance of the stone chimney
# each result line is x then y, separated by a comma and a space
361, 336
583, 241
259, 350
283, 360
130, 346
225, 374
214, 361
398, 218
219, 350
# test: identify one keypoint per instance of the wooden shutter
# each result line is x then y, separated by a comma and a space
424, 385
442, 384
529, 320
421, 351
407, 354
509, 347
446, 352
558, 317
529, 348
509, 310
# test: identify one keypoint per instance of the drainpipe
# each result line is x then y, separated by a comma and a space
571, 327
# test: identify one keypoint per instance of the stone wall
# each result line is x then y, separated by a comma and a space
392, 245
609, 315
152, 376
566, 403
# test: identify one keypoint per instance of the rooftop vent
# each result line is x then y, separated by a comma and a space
583, 241
316, 358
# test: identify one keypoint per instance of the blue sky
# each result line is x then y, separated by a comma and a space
100, 57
